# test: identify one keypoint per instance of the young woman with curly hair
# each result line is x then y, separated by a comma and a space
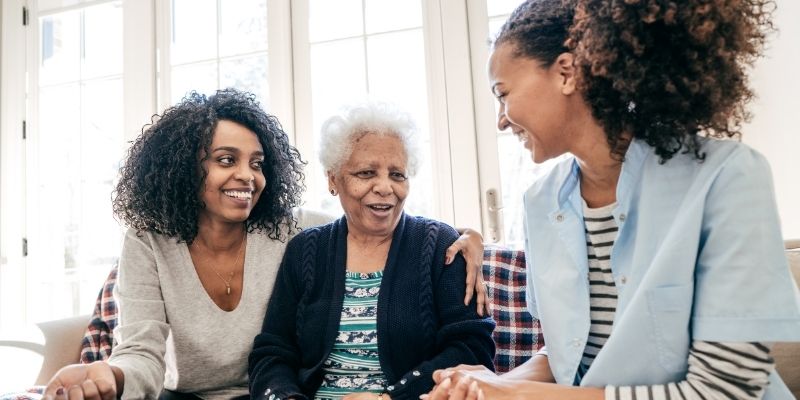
655, 257
210, 193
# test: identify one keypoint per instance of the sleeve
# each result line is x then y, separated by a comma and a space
716, 371
275, 358
744, 291
462, 336
142, 328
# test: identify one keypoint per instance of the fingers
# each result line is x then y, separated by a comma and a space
89, 390
483, 295
459, 390
441, 391
454, 249
472, 391
106, 389
75, 392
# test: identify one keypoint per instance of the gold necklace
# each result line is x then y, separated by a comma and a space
230, 274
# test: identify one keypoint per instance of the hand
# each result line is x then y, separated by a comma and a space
365, 396
469, 382
470, 244
95, 381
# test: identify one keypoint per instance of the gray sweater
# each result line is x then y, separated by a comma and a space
171, 334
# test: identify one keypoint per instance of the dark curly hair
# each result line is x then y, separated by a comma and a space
162, 177
664, 71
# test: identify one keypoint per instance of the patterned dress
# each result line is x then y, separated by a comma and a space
353, 364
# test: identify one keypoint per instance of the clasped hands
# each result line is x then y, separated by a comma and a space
468, 382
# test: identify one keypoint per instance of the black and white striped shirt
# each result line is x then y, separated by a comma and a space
717, 370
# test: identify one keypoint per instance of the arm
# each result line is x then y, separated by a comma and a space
470, 245
275, 358
462, 336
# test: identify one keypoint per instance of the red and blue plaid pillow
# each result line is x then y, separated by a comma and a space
518, 336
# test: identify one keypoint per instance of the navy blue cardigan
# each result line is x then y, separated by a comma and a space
422, 322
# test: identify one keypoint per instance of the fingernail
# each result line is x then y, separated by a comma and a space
473, 386
423, 396
60, 391
447, 374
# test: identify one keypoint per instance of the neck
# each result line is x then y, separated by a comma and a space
219, 237
599, 169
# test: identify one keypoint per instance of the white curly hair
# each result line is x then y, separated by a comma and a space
339, 133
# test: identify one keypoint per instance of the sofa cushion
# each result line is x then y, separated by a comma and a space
518, 336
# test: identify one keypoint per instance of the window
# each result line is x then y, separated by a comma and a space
374, 49
73, 154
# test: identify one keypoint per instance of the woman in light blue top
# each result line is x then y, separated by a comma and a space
655, 258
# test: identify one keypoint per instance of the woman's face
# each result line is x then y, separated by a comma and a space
373, 185
235, 181
533, 101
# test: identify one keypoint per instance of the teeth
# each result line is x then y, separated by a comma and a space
239, 195
381, 207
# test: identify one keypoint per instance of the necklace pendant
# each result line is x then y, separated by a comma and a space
228, 289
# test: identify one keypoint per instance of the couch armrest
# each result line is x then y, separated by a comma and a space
62, 344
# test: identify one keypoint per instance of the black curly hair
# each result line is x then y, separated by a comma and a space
159, 183
663, 71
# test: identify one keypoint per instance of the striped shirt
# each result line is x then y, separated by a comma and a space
716, 370
353, 364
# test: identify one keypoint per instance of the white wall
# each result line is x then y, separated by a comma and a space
775, 128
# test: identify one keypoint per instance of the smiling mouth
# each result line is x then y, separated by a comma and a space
380, 207
238, 194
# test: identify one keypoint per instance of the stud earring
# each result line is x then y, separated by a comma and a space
333, 192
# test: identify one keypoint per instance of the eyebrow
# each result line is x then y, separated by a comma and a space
236, 150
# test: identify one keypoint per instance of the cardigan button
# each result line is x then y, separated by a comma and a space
403, 381
272, 396
415, 373
390, 387
267, 392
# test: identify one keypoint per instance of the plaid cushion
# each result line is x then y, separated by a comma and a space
99, 337
518, 336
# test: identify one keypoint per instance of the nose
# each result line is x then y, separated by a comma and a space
383, 186
244, 173
502, 120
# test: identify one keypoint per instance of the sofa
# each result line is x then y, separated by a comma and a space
517, 336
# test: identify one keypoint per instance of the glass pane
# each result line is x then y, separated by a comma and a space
194, 31
410, 93
199, 77
501, 7
243, 27
102, 54
60, 48
56, 200
391, 15
337, 78
247, 73
330, 20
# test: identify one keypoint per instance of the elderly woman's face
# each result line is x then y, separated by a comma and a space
373, 185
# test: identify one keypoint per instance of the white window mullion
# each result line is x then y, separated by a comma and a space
14, 38
138, 65
485, 124
303, 122
279, 53
453, 128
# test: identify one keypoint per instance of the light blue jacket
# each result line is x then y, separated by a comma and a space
699, 256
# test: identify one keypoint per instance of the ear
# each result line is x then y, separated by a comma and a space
331, 180
565, 67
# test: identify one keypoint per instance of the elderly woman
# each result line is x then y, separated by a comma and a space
364, 307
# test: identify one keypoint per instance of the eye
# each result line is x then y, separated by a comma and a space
257, 164
226, 161
500, 96
365, 174
398, 176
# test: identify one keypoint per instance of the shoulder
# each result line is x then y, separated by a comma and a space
546, 187
311, 236
425, 228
